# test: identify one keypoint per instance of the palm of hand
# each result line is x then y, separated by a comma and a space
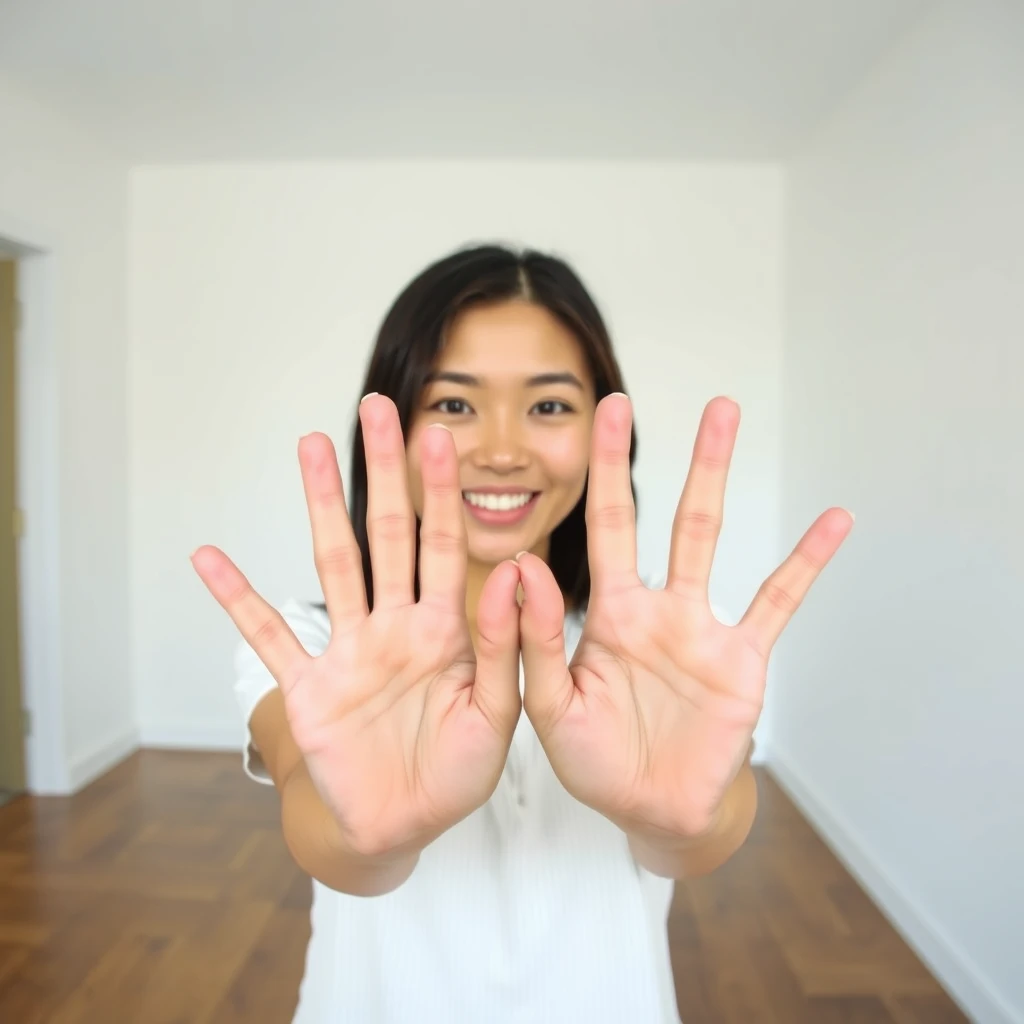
403, 727
654, 716
392, 738
664, 709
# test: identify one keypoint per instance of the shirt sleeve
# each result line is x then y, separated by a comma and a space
253, 680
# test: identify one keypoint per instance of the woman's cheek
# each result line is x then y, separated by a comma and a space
567, 455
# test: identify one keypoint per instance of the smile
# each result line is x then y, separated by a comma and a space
498, 502
499, 509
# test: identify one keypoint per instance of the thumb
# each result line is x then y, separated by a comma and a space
496, 689
549, 688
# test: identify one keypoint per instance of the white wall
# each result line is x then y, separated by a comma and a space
256, 292
55, 183
901, 689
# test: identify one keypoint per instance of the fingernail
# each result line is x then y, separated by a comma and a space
519, 555
366, 396
852, 515
441, 425
621, 394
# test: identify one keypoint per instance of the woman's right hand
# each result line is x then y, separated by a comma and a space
404, 728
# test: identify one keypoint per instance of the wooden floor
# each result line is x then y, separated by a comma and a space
163, 894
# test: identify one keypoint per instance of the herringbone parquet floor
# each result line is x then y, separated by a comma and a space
163, 894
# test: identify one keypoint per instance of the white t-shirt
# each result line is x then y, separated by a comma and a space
531, 910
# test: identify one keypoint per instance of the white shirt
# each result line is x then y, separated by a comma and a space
530, 910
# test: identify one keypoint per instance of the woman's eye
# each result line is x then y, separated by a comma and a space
551, 407
452, 406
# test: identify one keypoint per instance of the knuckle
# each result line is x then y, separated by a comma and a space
804, 557
700, 524
339, 561
236, 591
711, 462
439, 490
441, 540
779, 597
389, 460
611, 454
267, 632
611, 517
390, 526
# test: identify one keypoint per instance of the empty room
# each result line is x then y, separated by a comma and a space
512, 513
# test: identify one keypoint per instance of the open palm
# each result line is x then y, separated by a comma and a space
653, 718
403, 727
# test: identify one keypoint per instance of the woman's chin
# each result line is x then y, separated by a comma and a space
493, 552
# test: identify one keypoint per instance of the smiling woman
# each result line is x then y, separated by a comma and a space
511, 354
521, 428
470, 862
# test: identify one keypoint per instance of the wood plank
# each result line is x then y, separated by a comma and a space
165, 893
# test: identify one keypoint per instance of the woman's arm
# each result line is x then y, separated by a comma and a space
310, 831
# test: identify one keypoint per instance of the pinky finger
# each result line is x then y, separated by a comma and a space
260, 624
784, 591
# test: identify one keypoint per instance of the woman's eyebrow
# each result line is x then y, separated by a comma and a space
539, 380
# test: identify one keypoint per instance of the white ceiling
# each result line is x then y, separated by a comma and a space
308, 79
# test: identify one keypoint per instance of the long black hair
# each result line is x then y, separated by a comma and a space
410, 340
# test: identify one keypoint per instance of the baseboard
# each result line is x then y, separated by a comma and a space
190, 737
87, 767
942, 955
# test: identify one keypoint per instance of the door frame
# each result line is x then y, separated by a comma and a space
38, 494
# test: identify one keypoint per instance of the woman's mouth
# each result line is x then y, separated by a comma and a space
507, 508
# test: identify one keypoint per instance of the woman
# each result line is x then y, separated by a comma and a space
472, 863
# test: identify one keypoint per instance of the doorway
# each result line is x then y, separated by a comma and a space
12, 718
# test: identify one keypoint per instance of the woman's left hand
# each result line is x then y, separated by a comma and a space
653, 718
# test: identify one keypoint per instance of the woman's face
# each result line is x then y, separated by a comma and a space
512, 386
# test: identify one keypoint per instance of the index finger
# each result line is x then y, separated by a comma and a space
262, 626
611, 512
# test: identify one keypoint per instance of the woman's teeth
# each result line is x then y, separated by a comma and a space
498, 502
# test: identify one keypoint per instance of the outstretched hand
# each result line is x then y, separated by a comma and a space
653, 718
403, 726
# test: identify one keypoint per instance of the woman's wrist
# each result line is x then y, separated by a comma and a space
690, 856
319, 847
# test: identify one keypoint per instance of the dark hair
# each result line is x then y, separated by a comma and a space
412, 335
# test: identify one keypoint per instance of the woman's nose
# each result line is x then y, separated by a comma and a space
501, 444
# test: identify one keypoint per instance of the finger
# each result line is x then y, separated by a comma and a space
262, 626
548, 687
784, 591
698, 519
443, 554
339, 563
496, 689
390, 521
611, 513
